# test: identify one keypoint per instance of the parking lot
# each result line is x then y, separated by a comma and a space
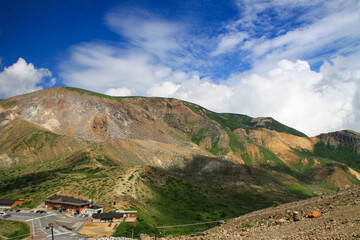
64, 227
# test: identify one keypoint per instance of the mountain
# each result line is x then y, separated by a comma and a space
172, 160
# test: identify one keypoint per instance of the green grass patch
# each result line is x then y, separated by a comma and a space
14, 230
297, 189
234, 121
278, 165
195, 108
198, 136
142, 227
238, 148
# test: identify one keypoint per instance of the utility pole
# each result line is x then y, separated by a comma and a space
157, 230
132, 234
52, 230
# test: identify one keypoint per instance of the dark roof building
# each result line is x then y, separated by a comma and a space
66, 199
127, 216
65, 203
8, 204
108, 217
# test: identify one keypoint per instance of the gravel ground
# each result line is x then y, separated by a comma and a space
340, 219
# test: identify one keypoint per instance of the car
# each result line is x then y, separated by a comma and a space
68, 228
17, 210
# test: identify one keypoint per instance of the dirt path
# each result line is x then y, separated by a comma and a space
128, 187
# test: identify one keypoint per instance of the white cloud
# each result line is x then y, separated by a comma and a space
228, 42
312, 102
297, 97
165, 89
200, 91
99, 68
152, 35
345, 70
119, 92
21, 78
323, 29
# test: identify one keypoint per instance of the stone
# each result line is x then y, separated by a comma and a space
198, 234
243, 233
297, 218
279, 221
144, 237
314, 214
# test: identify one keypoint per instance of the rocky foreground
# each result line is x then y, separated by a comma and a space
332, 216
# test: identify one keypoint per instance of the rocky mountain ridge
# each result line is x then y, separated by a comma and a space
140, 152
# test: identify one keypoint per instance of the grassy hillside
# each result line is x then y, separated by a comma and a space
164, 198
340, 154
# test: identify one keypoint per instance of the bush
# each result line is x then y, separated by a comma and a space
276, 203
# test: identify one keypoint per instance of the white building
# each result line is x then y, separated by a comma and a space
93, 209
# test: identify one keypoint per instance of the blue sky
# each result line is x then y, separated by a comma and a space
296, 61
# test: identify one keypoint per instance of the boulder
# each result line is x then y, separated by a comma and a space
144, 237
314, 214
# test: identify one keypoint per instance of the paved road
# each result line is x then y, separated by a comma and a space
40, 221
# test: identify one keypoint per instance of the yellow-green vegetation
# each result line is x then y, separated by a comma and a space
14, 230
340, 154
197, 199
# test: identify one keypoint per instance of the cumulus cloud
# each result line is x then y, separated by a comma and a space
201, 91
312, 102
22, 77
338, 72
165, 89
296, 96
118, 92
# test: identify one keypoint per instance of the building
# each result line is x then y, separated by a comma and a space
118, 216
129, 216
66, 204
9, 204
108, 217
93, 209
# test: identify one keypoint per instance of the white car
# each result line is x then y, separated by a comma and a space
5, 215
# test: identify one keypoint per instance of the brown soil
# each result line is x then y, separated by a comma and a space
98, 230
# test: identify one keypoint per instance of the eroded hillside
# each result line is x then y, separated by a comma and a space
139, 152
